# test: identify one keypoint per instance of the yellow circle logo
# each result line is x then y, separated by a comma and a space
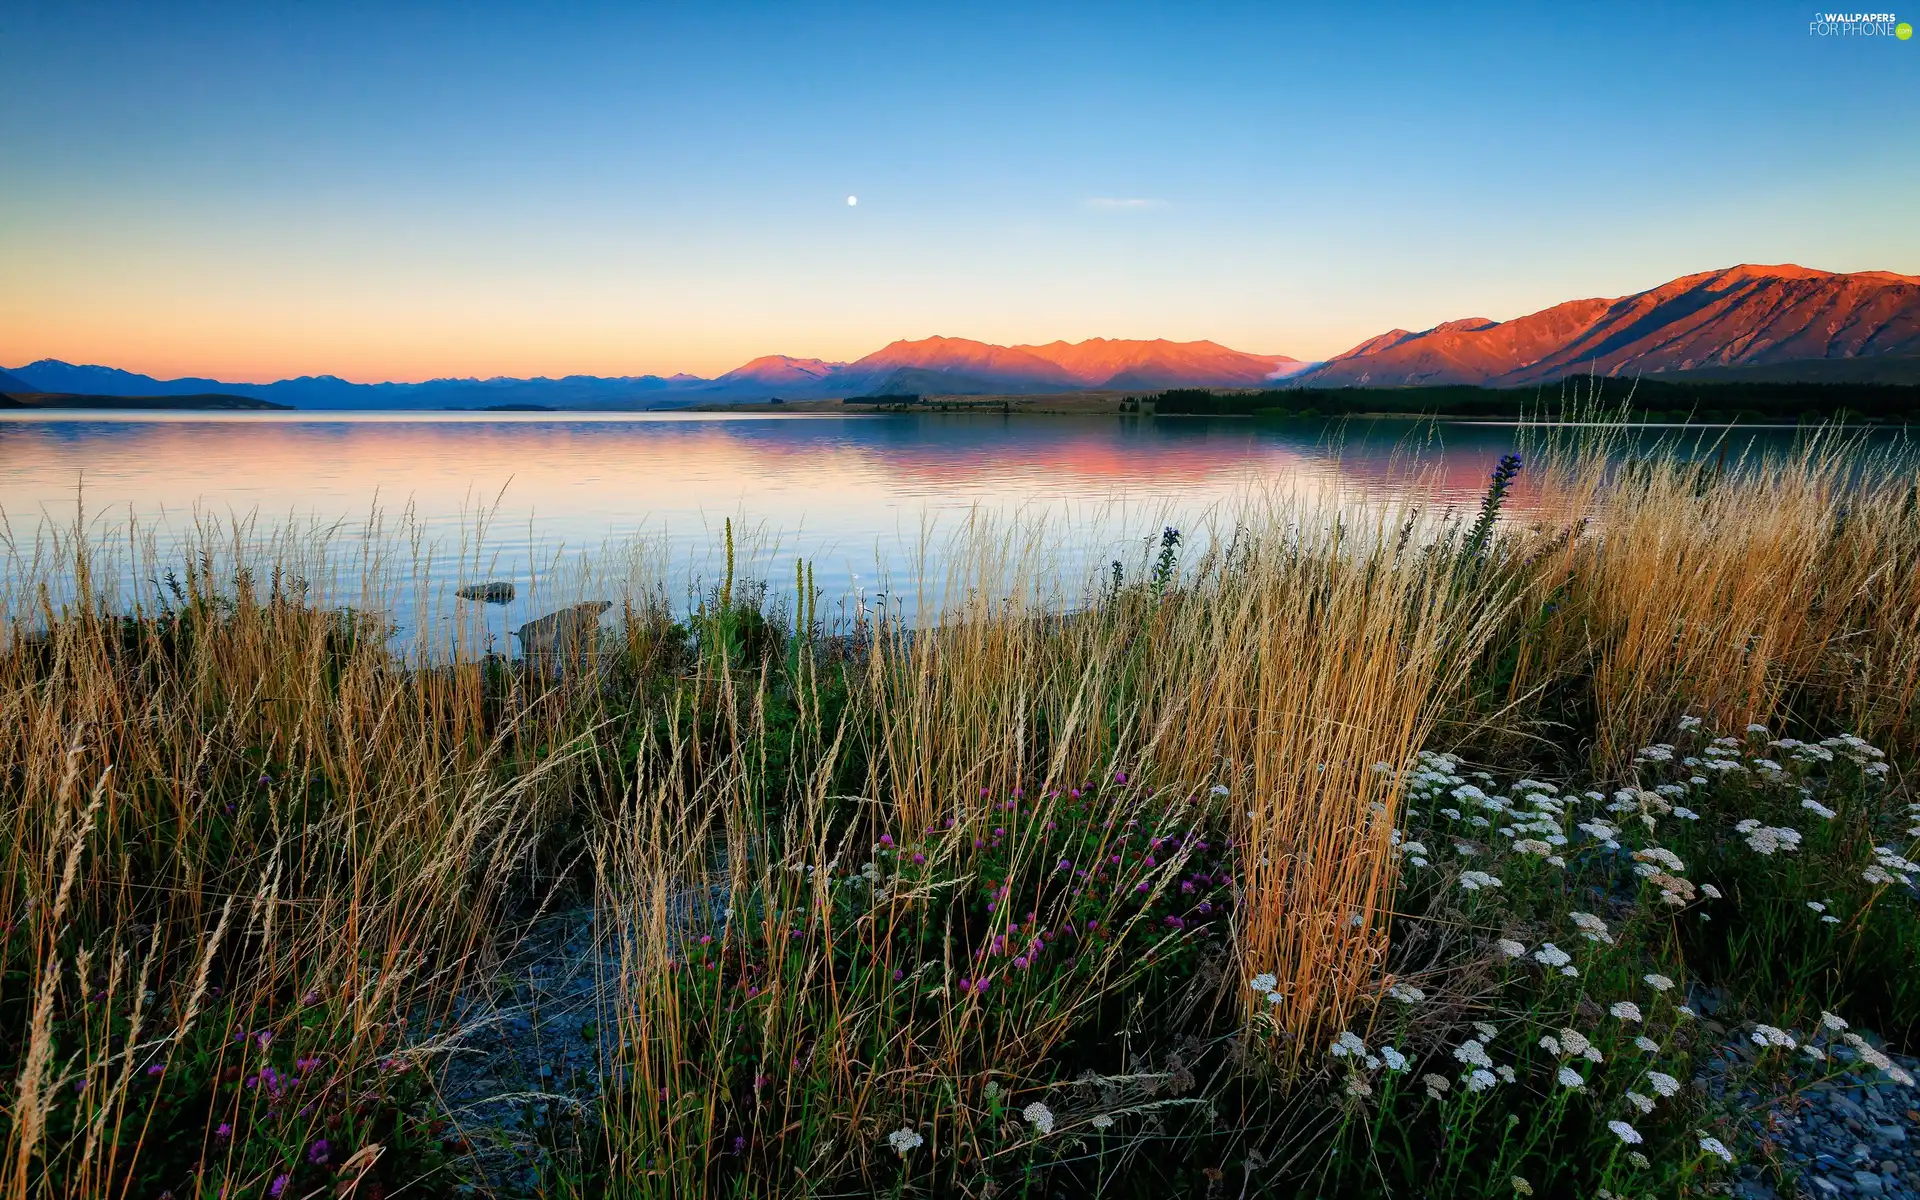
1903, 31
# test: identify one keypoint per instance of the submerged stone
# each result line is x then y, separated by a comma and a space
493, 592
567, 635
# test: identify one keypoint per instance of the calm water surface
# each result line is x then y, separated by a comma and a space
854, 494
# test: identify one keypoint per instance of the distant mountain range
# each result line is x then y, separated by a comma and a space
939, 365
1760, 323
1747, 322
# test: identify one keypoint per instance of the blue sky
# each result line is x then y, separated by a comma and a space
401, 191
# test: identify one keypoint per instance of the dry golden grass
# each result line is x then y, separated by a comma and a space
1782, 584
254, 813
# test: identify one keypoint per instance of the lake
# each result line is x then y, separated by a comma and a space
519, 496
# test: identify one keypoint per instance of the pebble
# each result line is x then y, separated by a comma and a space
1832, 1137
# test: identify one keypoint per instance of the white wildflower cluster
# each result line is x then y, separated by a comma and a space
1625, 1010
1266, 985
1625, 1132
1604, 833
1474, 881
1413, 852
1867, 1052
1658, 983
1554, 958
1821, 906
1348, 1045
1890, 867
1873, 1057
1870, 759
1767, 1035
1041, 1117
1654, 859
1665, 1085
1433, 775
1767, 839
1406, 993
1805, 752
1592, 928
1473, 1052
1715, 1147
1480, 1072
904, 1140
1509, 947
1571, 1043
1817, 809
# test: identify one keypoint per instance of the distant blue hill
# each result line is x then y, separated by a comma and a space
332, 392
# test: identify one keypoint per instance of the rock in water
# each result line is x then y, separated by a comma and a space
495, 592
564, 636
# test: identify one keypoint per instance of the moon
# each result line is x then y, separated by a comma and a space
852, 200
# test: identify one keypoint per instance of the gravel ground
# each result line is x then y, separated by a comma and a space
521, 1071
524, 1065
1828, 1133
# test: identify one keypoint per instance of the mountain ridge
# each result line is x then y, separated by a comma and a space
1784, 322
1745, 316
